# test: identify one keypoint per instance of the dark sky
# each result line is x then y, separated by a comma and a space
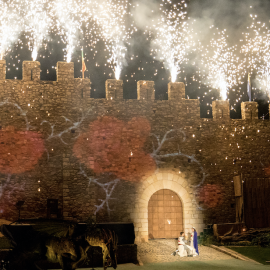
224, 14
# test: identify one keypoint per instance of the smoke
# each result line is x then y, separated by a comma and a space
10, 27
146, 14
226, 14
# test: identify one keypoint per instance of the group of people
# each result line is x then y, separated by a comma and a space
187, 248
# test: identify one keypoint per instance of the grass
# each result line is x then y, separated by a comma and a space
4, 243
255, 253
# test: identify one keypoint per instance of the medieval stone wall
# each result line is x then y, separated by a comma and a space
105, 157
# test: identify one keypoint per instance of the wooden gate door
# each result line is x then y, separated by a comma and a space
165, 215
257, 203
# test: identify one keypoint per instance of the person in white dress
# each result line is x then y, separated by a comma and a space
183, 249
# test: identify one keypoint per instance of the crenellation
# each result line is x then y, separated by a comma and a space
249, 110
65, 72
146, 90
114, 89
221, 110
176, 91
2, 70
31, 71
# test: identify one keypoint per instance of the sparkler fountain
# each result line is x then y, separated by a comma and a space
37, 23
68, 16
111, 17
218, 60
256, 52
172, 37
10, 26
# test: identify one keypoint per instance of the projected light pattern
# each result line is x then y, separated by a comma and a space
107, 187
20, 150
113, 146
72, 126
168, 137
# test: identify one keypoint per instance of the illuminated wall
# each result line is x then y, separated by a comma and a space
106, 157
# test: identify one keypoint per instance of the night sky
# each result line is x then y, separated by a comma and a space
140, 64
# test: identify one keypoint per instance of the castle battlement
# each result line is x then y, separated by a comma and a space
77, 90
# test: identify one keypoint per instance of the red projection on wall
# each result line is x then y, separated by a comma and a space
112, 145
19, 150
210, 195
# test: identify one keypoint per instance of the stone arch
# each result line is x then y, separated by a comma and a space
165, 180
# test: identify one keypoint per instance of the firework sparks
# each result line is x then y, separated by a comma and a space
172, 37
256, 51
9, 26
111, 16
219, 61
37, 22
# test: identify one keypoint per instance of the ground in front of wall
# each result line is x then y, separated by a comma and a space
160, 250
258, 254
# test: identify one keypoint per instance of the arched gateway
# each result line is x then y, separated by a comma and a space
164, 180
165, 215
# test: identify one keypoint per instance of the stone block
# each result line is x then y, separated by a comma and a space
249, 110
221, 110
176, 91
145, 90
2, 70
65, 72
31, 71
114, 89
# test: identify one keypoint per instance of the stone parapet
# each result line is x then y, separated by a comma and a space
221, 110
31, 71
145, 90
2, 69
114, 89
249, 110
65, 71
176, 91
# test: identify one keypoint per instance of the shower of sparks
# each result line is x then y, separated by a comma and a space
172, 37
10, 26
257, 53
68, 15
220, 64
108, 32
112, 17
37, 23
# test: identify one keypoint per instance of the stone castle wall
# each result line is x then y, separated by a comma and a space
105, 157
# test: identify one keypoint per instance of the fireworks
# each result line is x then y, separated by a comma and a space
107, 29
42, 17
256, 50
112, 17
218, 60
172, 37
10, 26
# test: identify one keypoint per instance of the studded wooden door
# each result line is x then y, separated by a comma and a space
165, 215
